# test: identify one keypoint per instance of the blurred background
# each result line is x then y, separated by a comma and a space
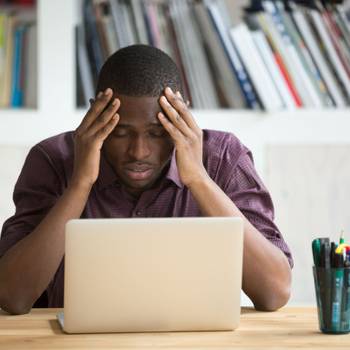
275, 73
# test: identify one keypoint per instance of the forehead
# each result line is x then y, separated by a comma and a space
138, 111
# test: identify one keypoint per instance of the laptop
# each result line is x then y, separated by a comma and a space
152, 275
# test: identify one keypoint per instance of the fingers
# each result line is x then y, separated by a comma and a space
174, 116
101, 102
173, 131
104, 118
108, 128
177, 111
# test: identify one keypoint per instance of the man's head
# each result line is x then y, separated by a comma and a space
139, 148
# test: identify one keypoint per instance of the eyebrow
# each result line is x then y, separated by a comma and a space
122, 125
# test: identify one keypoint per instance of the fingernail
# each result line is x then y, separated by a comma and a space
108, 91
114, 102
99, 94
168, 89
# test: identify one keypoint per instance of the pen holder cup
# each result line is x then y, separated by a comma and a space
332, 286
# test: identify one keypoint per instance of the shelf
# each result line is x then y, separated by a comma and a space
306, 126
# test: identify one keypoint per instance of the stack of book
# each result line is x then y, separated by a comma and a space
281, 55
18, 56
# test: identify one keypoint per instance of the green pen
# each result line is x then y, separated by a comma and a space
337, 291
345, 319
316, 251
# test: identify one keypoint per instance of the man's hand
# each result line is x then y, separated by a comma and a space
186, 135
97, 124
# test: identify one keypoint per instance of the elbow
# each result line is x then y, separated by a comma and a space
14, 306
274, 301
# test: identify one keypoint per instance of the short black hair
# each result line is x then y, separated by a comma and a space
139, 70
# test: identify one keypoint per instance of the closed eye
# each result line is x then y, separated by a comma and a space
158, 133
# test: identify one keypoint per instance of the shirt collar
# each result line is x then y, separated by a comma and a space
173, 173
107, 175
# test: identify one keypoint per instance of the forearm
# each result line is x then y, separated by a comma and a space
266, 271
29, 266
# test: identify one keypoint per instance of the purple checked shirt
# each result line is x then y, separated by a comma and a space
49, 166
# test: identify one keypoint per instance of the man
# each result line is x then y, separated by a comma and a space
137, 153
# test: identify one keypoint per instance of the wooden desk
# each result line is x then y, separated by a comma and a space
289, 328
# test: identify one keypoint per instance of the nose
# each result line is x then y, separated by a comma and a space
139, 148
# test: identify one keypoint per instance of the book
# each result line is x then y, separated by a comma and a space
17, 67
267, 56
280, 56
194, 59
300, 17
224, 75
30, 80
305, 57
139, 20
334, 58
236, 64
84, 66
5, 93
3, 28
93, 45
295, 66
255, 66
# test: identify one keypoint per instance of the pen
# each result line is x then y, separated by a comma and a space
325, 280
316, 251
337, 289
346, 296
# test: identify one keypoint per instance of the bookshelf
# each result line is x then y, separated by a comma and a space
56, 111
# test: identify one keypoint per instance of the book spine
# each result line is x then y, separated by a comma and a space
17, 92
256, 69
246, 85
306, 30
276, 74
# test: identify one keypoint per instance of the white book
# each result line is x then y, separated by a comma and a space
306, 31
291, 57
337, 64
256, 68
270, 63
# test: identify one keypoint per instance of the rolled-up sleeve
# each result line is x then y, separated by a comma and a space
244, 186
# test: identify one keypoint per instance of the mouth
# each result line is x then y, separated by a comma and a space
139, 174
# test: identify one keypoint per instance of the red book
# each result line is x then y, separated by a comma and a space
288, 80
